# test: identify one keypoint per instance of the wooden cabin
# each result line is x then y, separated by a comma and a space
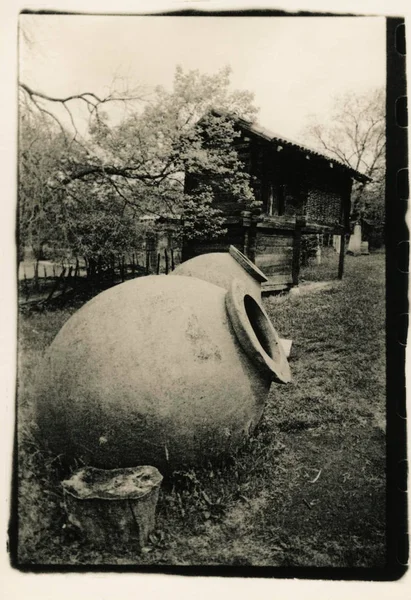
301, 191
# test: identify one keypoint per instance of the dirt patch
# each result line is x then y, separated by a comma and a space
316, 286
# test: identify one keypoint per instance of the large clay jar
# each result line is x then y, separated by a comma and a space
166, 371
221, 268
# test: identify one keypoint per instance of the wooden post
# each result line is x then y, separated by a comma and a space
26, 287
36, 275
300, 222
345, 220
172, 259
66, 280
56, 285
318, 250
341, 257
252, 238
296, 252
113, 268
122, 268
158, 263
113, 505
166, 257
246, 214
99, 269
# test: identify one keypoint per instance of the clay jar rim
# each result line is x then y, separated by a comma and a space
255, 333
247, 265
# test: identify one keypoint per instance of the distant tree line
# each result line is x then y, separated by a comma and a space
354, 133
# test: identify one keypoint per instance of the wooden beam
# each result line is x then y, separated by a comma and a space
275, 222
232, 220
318, 228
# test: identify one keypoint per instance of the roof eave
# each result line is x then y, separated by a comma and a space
279, 140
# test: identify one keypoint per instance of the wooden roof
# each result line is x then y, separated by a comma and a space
273, 137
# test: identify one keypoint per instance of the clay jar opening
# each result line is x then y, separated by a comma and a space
256, 334
259, 324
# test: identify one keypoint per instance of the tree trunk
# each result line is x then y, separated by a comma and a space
115, 505
91, 268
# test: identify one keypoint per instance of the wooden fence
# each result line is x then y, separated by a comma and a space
45, 280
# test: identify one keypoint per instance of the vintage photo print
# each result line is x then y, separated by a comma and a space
204, 279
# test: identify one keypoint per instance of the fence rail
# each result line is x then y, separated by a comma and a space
45, 280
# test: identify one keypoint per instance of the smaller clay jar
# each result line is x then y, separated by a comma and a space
221, 268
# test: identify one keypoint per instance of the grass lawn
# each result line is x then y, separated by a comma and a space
308, 489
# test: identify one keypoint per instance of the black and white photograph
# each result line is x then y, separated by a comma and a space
201, 250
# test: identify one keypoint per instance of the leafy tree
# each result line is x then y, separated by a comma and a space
40, 154
355, 135
103, 181
83, 220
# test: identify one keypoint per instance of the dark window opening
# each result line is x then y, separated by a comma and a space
275, 200
281, 199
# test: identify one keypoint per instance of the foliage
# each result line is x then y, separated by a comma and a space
93, 189
309, 245
40, 151
355, 135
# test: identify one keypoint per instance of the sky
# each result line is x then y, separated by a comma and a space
295, 66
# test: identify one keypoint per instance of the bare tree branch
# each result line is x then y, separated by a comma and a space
89, 98
355, 135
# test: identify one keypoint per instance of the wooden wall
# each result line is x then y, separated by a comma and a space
274, 254
234, 236
305, 194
